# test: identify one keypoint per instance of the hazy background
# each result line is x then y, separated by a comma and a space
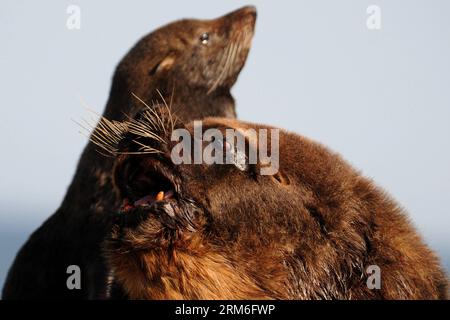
381, 98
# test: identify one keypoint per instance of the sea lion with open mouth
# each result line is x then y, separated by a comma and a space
191, 64
225, 231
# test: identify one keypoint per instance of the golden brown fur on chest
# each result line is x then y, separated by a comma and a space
196, 272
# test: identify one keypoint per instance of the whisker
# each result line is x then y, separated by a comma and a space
233, 59
107, 134
168, 108
223, 62
147, 147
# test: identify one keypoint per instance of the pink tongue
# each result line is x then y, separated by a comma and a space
147, 200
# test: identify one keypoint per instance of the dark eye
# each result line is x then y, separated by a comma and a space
204, 38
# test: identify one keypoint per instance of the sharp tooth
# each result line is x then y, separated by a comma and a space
160, 196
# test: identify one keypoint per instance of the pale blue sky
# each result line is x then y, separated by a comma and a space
380, 98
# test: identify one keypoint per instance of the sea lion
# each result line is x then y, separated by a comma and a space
191, 64
311, 230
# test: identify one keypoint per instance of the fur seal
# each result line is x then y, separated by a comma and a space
191, 63
210, 231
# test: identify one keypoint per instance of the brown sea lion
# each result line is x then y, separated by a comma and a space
191, 64
315, 229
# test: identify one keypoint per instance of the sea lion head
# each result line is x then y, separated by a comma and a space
189, 57
208, 230
211, 53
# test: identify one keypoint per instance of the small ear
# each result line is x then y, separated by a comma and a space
280, 177
164, 64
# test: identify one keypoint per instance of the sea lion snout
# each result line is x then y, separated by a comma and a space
242, 18
247, 12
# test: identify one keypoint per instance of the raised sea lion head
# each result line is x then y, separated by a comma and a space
188, 58
310, 230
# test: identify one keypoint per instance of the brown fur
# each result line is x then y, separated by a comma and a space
308, 232
169, 64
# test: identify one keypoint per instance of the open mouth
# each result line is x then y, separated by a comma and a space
143, 186
151, 196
